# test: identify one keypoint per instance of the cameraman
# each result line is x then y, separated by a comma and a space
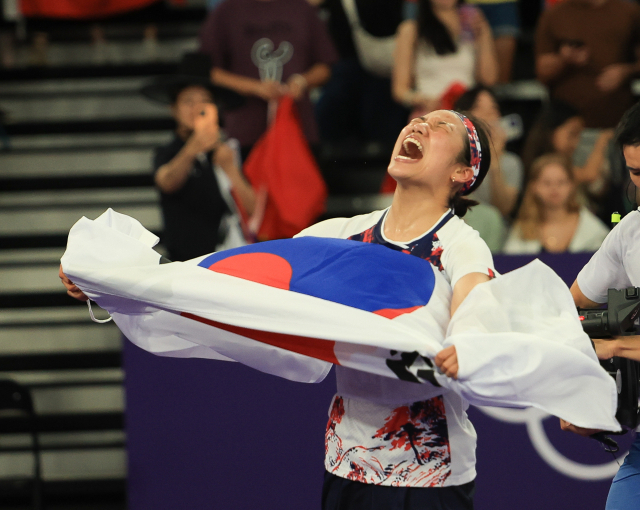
616, 265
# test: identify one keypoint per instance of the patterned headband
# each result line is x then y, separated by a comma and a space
475, 148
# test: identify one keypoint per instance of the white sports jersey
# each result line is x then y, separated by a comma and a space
390, 432
616, 265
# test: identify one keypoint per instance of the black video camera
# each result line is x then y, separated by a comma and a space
618, 319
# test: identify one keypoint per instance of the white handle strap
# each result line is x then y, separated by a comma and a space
99, 321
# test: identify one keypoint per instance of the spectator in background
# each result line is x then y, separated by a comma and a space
586, 53
357, 102
197, 172
558, 129
446, 44
506, 174
550, 218
503, 19
264, 49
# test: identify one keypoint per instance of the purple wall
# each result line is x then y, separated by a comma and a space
208, 434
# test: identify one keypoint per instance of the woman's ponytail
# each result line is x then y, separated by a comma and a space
461, 205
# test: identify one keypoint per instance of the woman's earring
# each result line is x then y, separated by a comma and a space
453, 179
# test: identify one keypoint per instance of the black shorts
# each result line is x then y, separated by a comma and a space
342, 494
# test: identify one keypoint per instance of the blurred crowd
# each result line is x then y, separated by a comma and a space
359, 69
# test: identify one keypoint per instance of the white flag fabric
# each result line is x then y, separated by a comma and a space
294, 307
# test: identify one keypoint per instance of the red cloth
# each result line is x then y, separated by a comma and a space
282, 162
79, 9
451, 95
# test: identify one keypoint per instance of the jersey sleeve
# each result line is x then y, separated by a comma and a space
467, 253
605, 270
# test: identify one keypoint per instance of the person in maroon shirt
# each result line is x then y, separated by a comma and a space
265, 49
586, 53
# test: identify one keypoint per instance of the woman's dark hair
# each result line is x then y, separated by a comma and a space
432, 30
467, 101
540, 139
458, 202
628, 129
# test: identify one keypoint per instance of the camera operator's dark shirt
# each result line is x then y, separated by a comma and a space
192, 214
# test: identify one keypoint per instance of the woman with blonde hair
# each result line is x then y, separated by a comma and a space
550, 218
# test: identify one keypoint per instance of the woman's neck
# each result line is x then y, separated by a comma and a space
413, 212
555, 215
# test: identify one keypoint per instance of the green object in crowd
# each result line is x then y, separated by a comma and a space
615, 218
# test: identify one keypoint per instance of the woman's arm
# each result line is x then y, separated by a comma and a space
503, 196
592, 169
486, 60
447, 359
465, 285
226, 158
403, 65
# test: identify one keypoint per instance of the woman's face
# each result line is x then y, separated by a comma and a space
566, 136
485, 108
188, 105
553, 186
428, 148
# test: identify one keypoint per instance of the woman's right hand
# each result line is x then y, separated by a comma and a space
72, 289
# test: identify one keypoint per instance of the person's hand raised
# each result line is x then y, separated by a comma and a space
206, 131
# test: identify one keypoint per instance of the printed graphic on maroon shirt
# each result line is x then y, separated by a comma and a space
412, 448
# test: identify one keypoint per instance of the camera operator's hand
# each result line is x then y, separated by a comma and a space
566, 426
621, 346
447, 361
605, 349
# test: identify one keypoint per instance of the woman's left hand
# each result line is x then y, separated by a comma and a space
447, 361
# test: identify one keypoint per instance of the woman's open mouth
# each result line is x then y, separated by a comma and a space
411, 149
